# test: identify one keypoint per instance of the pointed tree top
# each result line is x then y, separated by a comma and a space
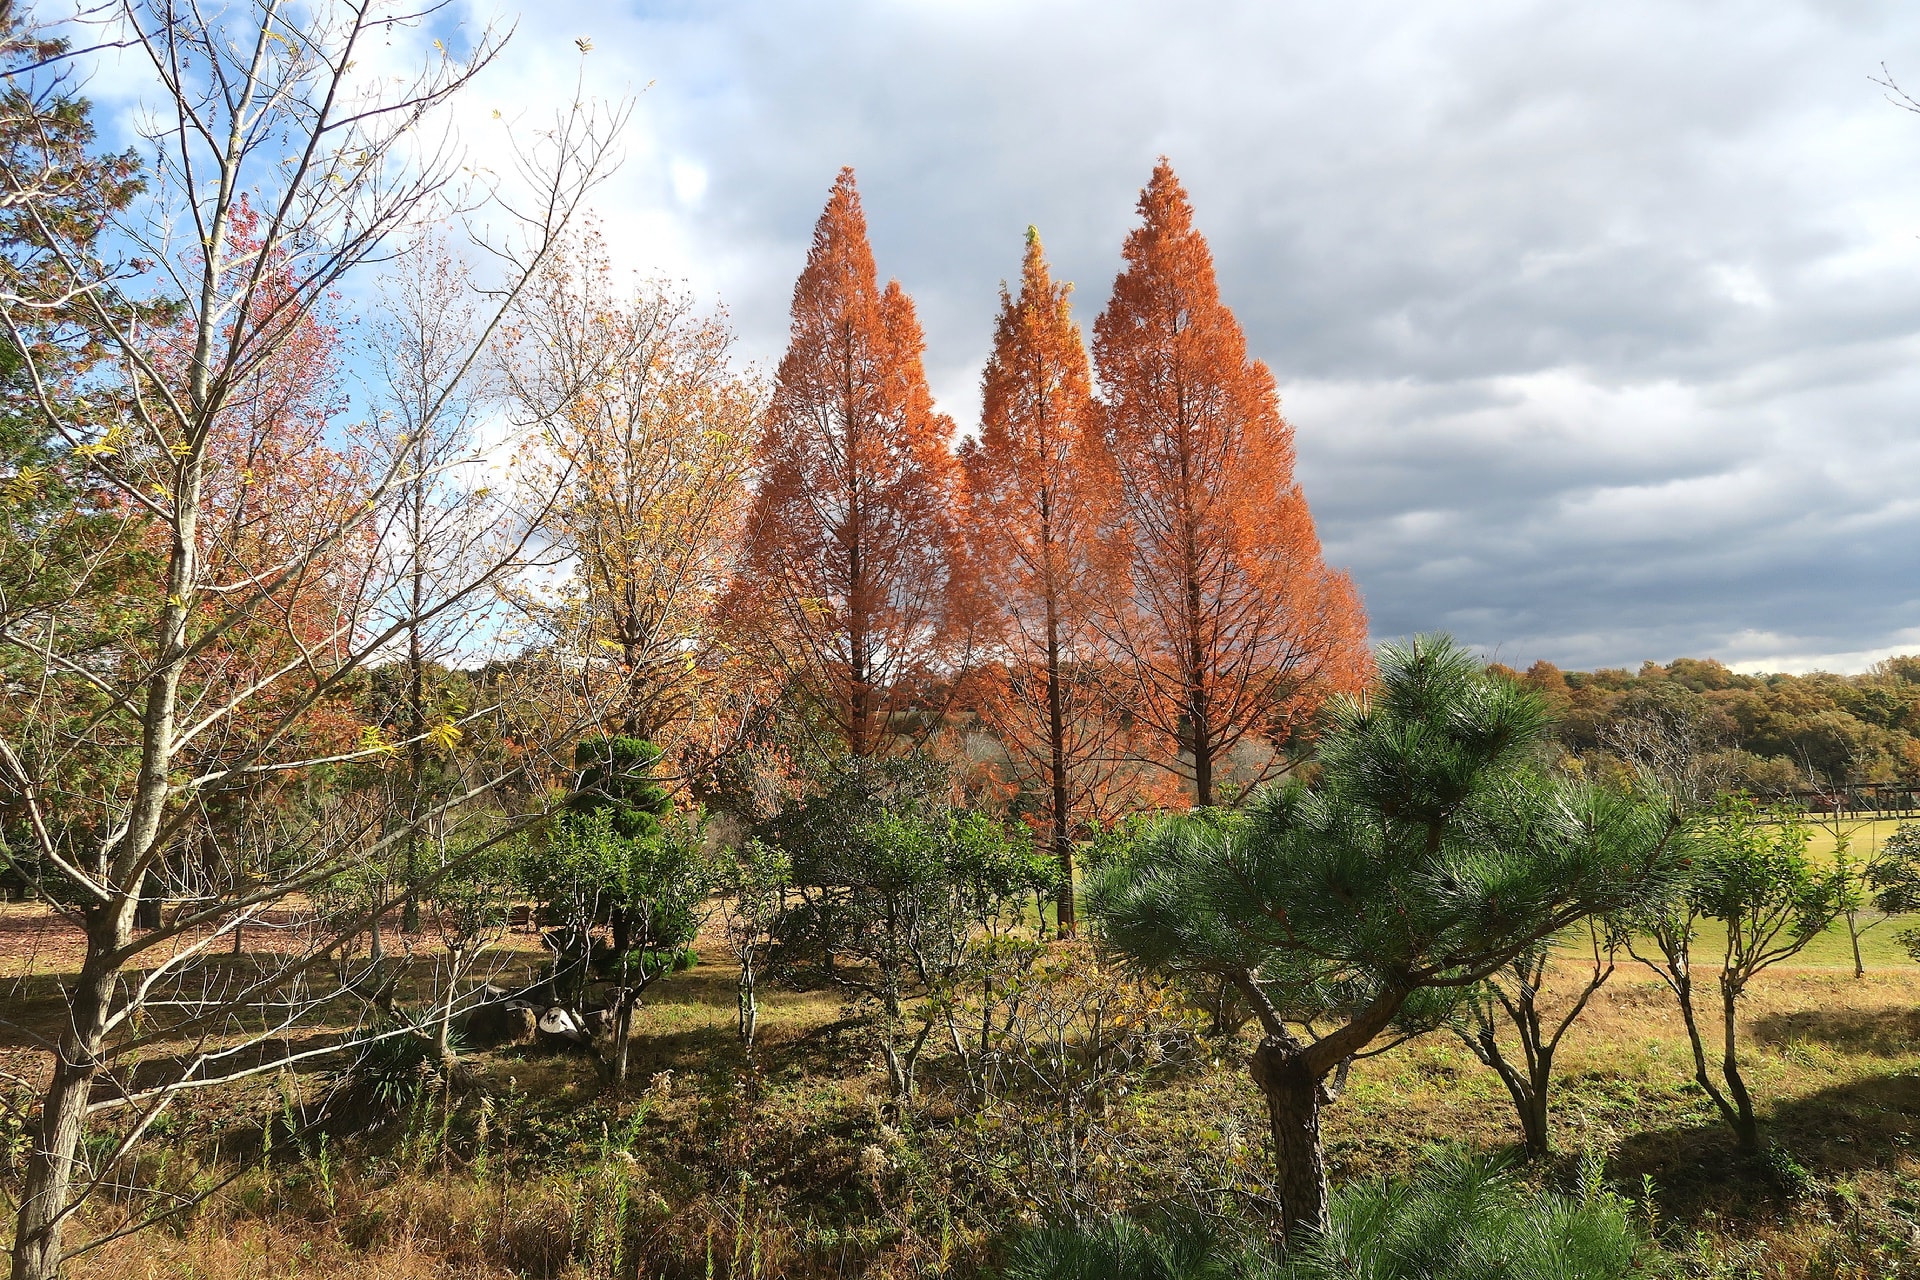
856, 493
1036, 281
1036, 321
839, 277
843, 205
1164, 204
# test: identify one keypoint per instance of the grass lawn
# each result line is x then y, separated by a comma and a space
1863, 835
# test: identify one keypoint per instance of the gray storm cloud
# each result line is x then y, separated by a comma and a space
1598, 323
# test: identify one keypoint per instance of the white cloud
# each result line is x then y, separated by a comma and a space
1600, 325
689, 181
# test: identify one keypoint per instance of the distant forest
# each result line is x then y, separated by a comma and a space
1767, 733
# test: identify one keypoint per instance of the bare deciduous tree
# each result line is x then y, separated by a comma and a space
284, 164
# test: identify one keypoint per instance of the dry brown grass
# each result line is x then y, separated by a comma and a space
780, 1177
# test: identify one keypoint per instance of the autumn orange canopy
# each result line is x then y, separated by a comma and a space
1042, 500
1232, 624
852, 550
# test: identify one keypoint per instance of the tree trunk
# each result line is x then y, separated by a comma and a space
63, 1117
1531, 1107
1057, 762
1533, 1116
1202, 772
859, 670
1529, 1092
1195, 621
443, 1035
1737, 1119
627, 627
749, 1006
899, 1076
903, 1065
416, 693
1293, 1117
63, 1109
623, 1001
1746, 1126
986, 1028
1853, 932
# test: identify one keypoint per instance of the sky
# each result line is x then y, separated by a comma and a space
1598, 325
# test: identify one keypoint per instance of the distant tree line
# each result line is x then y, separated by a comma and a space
1768, 734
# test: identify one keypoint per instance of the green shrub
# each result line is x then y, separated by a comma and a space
1463, 1217
389, 1070
1122, 1249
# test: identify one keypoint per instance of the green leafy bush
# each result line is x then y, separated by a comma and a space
894, 891
616, 778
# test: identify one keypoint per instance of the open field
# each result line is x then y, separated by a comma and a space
796, 1166
1863, 835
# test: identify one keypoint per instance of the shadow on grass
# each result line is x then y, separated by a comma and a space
1701, 1173
780, 1051
33, 1012
1885, 1033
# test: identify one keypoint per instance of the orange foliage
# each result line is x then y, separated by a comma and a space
1233, 625
281, 530
1040, 498
851, 567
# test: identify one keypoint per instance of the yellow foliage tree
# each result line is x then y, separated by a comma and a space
646, 435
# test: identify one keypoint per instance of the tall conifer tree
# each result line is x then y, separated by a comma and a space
852, 552
1234, 626
1040, 499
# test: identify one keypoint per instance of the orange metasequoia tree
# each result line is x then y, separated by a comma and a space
1233, 625
852, 565
1040, 500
